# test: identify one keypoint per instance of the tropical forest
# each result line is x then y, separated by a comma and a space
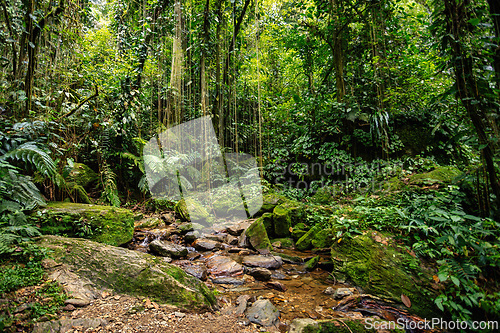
249, 166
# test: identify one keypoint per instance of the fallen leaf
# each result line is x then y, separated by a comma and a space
406, 300
435, 278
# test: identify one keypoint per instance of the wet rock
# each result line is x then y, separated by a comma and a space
282, 221
191, 236
312, 263
185, 227
276, 285
259, 273
66, 325
198, 271
151, 222
288, 258
236, 229
77, 302
329, 291
342, 292
257, 235
231, 240
279, 276
224, 266
299, 324
87, 267
243, 241
270, 262
193, 255
228, 280
242, 302
221, 238
202, 244
236, 249
263, 312
167, 249
69, 307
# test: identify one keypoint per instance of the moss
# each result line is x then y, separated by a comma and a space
324, 195
257, 235
380, 270
191, 210
299, 230
104, 224
82, 175
267, 219
312, 263
340, 327
281, 221
323, 238
441, 174
305, 242
131, 272
289, 258
286, 243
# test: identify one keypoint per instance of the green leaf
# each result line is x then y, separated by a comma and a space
474, 21
455, 281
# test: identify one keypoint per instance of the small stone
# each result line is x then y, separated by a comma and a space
329, 291
69, 307
259, 273
342, 292
179, 314
78, 302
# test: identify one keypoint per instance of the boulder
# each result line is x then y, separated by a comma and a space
224, 266
167, 249
312, 263
270, 262
203, 244
299, 230
191, 210
323, 238
103, 224
305, 242
281, 221
263, 312
382, 269
267, 219
257, 235
298, 325
81, 174
198, 271
260, 274
93, 267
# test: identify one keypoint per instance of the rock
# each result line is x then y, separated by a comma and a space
65, 325
191, 210
276, 244
329, 291
285, 243
305, 242
109, 225
69, 307
267, 220
271, 262
259, 273
198, 271
78, 302
151, 222
191, 236
279, 276
263, 312
298, 231
257, 235
23, 307
231, 240
342, 292
288, 258
202, 244
381, 270
236, 250
323, 238
282, 221
228, 280
243, 240
82, 175
188, 227
276, 285
221, 238
311, 263
179, 314
236, 229
89, 266
224, 266
167, 249
242, 302
299, 324
441, 174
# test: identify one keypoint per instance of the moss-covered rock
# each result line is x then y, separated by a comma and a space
383, 270
127, 271
191, 210
81, 174
325, 195
257, 235
299, 230
441, 174
281, 221
267, 219
312, 263
148, 223
305, 242
286, 243
323, 238
103, 224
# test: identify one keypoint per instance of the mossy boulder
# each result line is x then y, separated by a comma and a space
286, 243
267, 219
379, 268
281, 221
441, 174
323, 238
81, 174
305, 242
312, 263
125, 271
299, 230
257, 235
103, 224
325, 195
191, 210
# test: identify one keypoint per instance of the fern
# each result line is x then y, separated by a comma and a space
30, 152
110, 189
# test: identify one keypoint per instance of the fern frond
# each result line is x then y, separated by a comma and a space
110, 189
30, 152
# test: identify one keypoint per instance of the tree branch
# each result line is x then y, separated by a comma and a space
80, 105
